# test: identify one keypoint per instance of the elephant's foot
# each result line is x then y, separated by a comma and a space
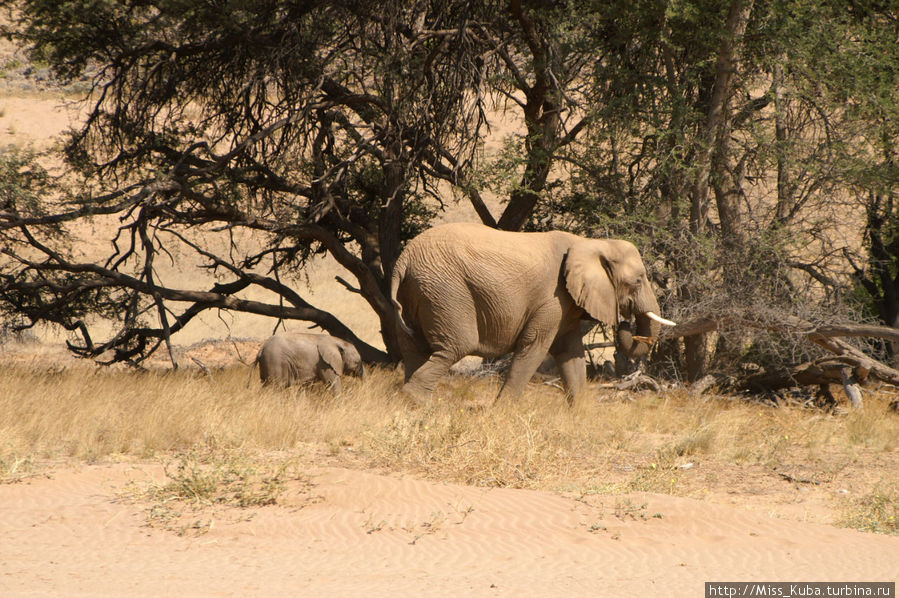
414, 394
422, 382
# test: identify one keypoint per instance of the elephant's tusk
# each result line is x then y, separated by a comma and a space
649, 340
660, 319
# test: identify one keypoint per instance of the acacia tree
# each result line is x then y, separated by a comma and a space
872, 162
726, 139
317, 125
323, 127
539, 56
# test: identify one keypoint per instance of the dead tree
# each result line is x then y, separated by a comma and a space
845, 364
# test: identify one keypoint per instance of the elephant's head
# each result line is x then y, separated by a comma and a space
608, 280
352, 362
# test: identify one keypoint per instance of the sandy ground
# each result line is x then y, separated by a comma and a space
356, 533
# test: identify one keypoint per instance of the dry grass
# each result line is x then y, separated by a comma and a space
204, 484
877, 511
668, 443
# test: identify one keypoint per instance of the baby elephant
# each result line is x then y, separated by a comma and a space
296, 357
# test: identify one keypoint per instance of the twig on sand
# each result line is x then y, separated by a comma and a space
797, 480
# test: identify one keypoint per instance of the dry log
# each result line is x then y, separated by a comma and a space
850, 385
702, 385
798, 480
805, 374
633, 382
825, 336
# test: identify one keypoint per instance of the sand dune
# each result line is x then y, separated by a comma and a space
370, 534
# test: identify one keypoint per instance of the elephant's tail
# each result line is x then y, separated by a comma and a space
253, 368
399, 271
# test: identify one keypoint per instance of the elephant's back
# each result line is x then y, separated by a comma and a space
289, 357
478, 250
461, 258
475, 281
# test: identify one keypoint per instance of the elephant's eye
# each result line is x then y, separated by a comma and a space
634, 283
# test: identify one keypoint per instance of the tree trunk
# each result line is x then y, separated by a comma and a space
708, 142
737, 17
784, 183
543, 121
391, 217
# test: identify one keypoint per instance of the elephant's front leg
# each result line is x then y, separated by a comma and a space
568, 351
330, 378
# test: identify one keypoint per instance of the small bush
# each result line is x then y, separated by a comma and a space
877, 511
200, 479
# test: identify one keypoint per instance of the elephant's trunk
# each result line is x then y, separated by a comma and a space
636, 343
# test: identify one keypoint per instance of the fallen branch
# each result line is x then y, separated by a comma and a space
634, 382
203, 366
702, 385
239, 356
790, 324
822, 372
605, 345
826, 336
797, 480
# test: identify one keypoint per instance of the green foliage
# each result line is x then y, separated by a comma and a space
813, 82
198, 481
24, 182
222, 479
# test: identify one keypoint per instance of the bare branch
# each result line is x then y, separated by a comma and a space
826, 336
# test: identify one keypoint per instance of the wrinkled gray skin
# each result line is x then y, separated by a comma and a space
467, 289
296, 358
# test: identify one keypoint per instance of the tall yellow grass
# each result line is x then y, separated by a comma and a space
533, 441
606, 443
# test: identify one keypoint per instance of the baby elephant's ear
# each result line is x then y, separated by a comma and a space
352, 361
330, 354
587, 279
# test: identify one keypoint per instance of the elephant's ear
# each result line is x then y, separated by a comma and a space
330, 354
587, 279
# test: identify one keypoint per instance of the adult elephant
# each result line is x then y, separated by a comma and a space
468, 289
297, 357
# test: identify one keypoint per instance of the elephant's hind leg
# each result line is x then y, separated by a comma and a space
271, 373
414, 356
425, 378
